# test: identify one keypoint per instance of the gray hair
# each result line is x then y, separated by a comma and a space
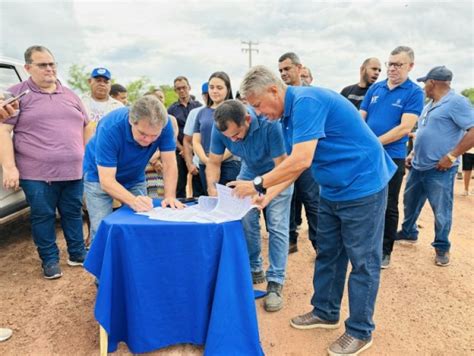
406, 49
32, 49
257, 79
291, 56
229, 110
149, 108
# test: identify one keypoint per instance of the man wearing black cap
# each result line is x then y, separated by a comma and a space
445, 120
98, 102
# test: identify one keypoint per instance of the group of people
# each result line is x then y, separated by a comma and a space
282, 141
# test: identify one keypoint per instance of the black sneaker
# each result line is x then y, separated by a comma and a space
442, 258
258, 277
405, 240
311, 321
76, 261
348, 345
52, 271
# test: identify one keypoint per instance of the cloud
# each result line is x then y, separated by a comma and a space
161, 40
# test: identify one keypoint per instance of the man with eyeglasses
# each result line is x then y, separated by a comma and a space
445, 132
45, 157
306, 190
369, 73
391, 109
180, 110
116, 157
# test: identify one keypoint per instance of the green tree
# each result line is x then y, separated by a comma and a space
78, 78
137, 88
170, 94
469, 93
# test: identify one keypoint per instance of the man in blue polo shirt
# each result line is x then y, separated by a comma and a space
116, 157
259, 143
325, 132
440, 139
391, 108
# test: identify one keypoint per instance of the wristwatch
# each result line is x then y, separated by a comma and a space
451, 157
258, 185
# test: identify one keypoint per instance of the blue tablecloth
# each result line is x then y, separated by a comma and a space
165, 283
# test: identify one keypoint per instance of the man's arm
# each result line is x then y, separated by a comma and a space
170, 179
407, 123
363, 113
11, 176
466, 143
109, 184
299, 160
213, 172
188, 154
89, 131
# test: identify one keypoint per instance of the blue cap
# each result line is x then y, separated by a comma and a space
438, 73
101, 72
205, 88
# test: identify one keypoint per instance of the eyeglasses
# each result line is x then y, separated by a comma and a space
396, 65
44, 66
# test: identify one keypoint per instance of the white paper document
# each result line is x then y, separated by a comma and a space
222, 208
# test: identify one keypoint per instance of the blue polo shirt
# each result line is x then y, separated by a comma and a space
440, 128
385, 108
262, 143
113, 146
349, 162
203, 125
181, 112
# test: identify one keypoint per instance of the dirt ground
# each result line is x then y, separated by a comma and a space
421, 309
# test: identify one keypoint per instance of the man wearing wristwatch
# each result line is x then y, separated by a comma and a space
440, 139
259, 144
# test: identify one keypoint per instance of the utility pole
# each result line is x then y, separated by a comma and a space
249, 44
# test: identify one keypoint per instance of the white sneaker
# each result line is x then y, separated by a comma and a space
5, 334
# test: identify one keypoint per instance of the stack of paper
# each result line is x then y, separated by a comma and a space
225, 207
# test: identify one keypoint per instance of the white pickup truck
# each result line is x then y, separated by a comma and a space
12, 204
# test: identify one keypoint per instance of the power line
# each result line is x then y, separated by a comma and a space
249, 49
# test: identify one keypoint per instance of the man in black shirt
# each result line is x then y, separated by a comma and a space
180, 111
369, 73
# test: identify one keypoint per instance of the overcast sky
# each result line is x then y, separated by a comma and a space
163, 39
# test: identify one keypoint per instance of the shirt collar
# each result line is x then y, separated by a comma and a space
443, 100
254, 123
405, 85
33, 87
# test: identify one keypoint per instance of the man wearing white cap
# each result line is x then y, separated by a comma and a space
444, 120
98, 102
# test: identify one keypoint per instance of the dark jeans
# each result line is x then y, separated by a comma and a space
349, 231
182, 176
229, 172
391, 215
44, 198
306, 191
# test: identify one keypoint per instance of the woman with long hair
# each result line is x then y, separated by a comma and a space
220, 90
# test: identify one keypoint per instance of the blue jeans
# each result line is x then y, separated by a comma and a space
277, 215
349, 231
306, 191
99, 203
44, 198
437, 187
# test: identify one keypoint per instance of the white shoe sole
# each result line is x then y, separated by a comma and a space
362, 349
56, 276
74, 264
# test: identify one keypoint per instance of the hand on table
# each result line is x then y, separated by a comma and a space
142, 203
173, 203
